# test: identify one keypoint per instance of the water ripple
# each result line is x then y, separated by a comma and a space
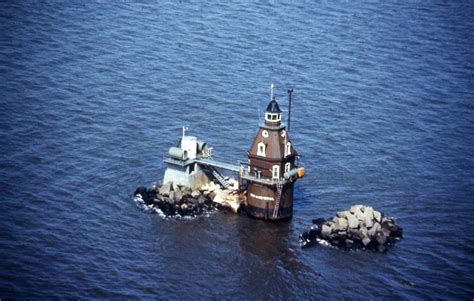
93, 94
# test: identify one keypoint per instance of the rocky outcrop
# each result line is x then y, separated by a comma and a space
360, 227
176, 200
179, 201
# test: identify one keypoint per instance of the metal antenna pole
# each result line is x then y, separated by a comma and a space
290, 90
184, 130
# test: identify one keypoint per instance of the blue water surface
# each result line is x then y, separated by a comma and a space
92, 95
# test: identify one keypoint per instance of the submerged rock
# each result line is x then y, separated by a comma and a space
359, 227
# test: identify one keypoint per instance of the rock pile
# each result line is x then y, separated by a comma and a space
176, 200
360, 227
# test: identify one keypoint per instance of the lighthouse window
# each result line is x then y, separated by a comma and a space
261, 149
288, 149
276, 171
265, 134
287, 167
272, 117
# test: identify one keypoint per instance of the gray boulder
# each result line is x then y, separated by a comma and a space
343, 214
169, 201
369, 212
381, 238
363, 232
325, 231
211, 195
165, 189
375, 228
342, 224
366, 241
354, 233
193, 201
201, 200
334, 226
389, 224
369, 221
377, 216
355, 208
178, 195
352, 221
359, 214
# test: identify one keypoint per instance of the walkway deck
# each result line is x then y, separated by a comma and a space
227, 166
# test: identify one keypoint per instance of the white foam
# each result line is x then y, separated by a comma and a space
159, 212
323, 242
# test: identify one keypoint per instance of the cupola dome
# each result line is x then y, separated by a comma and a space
273, 107
273, 113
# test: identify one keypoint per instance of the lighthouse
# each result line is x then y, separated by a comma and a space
272, 171
264, 185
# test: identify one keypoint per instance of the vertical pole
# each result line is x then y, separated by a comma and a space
184, 131
290, 90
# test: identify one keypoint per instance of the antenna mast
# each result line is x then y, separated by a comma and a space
290, 90
184, 130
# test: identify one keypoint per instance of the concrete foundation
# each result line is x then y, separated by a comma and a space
189, 175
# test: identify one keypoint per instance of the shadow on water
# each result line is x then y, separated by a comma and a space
275, 268
268, 242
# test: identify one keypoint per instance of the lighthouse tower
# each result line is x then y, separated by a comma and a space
271, 169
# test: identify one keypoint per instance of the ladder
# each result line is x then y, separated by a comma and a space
278, 198
218, 176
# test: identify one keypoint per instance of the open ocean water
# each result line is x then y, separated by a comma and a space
92, 95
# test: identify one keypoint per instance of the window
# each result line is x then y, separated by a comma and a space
261, 149
288, 149
272, 117
287, 167
265, 134
276, 172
